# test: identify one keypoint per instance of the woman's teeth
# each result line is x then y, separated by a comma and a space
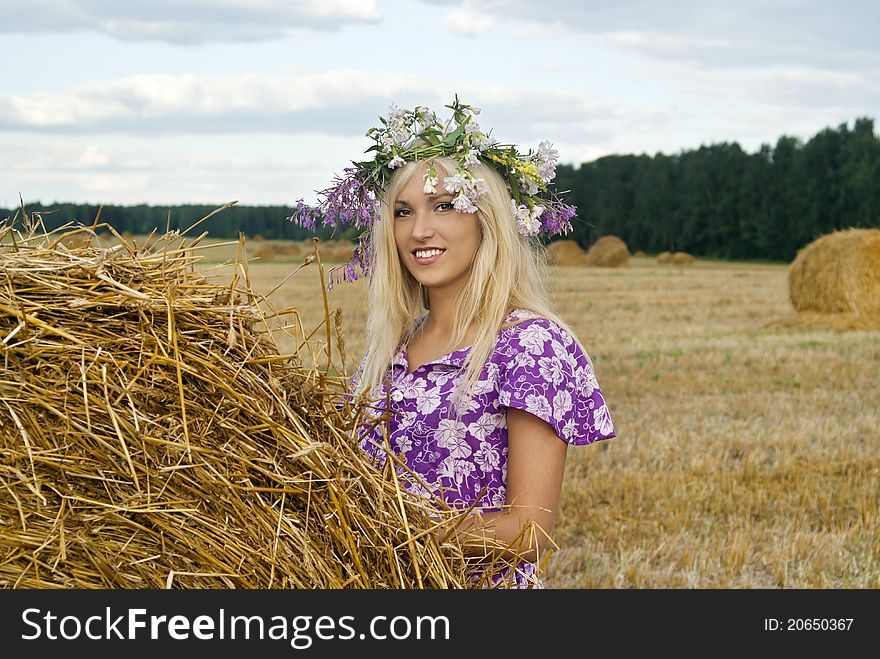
428, 253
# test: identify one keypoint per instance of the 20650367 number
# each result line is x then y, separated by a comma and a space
819, 624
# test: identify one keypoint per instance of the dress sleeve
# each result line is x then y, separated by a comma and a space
545, 372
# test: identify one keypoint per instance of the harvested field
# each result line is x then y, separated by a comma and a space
747, 449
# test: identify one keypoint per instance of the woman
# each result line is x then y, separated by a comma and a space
489, 387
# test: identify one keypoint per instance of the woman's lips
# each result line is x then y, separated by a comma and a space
429, 260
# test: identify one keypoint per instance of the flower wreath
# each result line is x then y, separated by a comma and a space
418, 134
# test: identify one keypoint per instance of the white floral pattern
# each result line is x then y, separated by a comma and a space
535, 366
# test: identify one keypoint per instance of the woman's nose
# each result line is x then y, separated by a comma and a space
422, 227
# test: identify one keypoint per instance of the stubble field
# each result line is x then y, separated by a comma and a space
748, 448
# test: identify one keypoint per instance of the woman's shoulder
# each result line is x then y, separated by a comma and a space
526, 327
518, 316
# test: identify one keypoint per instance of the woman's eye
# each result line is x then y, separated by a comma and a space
401, 212
445, 206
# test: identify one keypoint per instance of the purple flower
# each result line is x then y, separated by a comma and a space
556, 217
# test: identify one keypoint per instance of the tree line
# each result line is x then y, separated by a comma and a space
716, 201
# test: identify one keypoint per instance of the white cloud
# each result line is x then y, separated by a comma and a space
469, 21
755, 33
184, 21
208, 104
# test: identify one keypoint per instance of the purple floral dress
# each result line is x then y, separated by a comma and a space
534, 366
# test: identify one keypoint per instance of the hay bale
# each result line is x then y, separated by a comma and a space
664, 257
267, 252
292, 248
682, 258
838, 273
639, 254
608, 252
341, 252
565, 253
152, 436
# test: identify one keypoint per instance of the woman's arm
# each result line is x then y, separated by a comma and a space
535, 469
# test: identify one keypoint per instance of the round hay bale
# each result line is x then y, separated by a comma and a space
682, 258
608, 252
267, 252
341, 253
664, 257
565, 253
152, 436
838, 273
639, 254
291, 248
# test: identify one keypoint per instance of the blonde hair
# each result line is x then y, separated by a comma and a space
507, 273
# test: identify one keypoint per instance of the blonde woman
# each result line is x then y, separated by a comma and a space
488, 387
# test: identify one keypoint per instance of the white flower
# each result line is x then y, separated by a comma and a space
413, 388
482, 141
455, 183
529, 226
525, 360
562, 404
533, 338
404, 443
451, 435
602, 420
520, 212
586, 379
463, 203
471, 159
396, 162
463, 469
488, 457
396, 117
538, 406
428, 401
430, 184
485, 425
550, 368
528, 185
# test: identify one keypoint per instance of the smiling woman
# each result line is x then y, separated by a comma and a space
478, 399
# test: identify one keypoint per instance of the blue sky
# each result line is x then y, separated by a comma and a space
176, 101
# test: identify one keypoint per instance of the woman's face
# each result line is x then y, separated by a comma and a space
436, 243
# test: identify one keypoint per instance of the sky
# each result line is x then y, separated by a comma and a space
263, 101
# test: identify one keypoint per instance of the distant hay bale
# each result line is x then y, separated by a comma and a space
664, 257
682, 258
341, 253
838, 273
639, 254
565, 253
266, 252
291, 248
152, 436
608, 252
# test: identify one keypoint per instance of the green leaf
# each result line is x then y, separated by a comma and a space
514, 187
452, 137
